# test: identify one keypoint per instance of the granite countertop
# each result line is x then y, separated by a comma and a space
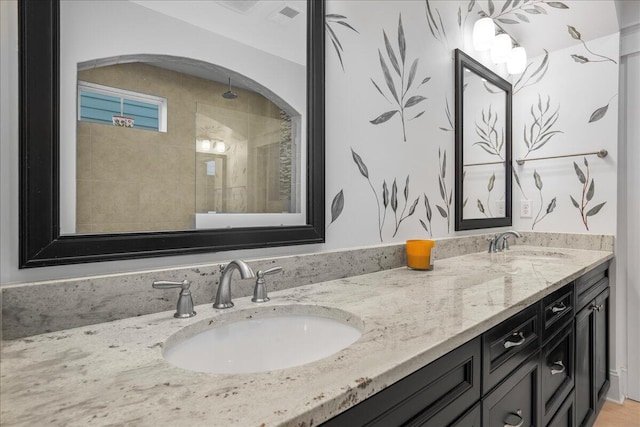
113, 373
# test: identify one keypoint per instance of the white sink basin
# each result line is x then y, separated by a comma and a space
262, 340
539, 254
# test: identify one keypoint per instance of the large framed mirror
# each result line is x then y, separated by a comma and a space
167, 128
483, 146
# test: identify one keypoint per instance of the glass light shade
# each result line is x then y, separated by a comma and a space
517, 61
501, 49
220, 147
484, 31
206, 145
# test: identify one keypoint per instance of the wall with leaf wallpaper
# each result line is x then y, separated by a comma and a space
389, 162
390, 113
574, 109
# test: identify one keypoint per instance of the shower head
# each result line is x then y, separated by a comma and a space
228, 94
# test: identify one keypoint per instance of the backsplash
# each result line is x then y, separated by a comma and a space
35, 308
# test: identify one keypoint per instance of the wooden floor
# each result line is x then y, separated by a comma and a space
614, 415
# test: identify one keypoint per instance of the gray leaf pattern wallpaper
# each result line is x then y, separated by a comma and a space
399, 84
516, 11
583, 59
331, 21
390, 101
588, 191
541, 128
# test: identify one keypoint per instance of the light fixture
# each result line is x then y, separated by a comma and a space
484, 32
517, 60
484, 38
206, 145
501, 49
220, 147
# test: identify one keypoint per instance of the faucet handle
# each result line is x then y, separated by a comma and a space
166, 284
492, 243
184, 308
272, 270
260, 291
505, 243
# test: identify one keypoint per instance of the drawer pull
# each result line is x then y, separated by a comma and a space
509, 344
557, 367
558, 308
514, 420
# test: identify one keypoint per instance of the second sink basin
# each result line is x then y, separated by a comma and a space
264, 340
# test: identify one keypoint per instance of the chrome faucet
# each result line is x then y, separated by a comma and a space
223, 296
500, 242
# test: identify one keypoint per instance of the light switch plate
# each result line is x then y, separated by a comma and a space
525, 209
500, 207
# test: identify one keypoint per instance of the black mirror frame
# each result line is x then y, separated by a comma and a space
462, 60
40, 241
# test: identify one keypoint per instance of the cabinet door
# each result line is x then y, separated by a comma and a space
470, 419
514, 403
565, 417
601, 343
584, 384
435, 395
556, 371
590, 285
592, 358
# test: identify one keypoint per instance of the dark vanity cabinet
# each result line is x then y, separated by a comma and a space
435, 395
557, 356
514, 403
545, 366
592, 344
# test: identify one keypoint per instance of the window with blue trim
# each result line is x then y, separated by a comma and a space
100, 104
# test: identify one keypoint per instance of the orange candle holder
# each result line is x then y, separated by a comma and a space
419, 254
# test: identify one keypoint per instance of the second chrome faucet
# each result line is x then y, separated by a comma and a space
499, 242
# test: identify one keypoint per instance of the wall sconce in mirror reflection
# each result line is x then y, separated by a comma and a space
212, 146
501, 45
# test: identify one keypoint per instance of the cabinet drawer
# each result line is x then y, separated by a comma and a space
509, 344
591, 284
557, 310
566, 415
441, 391
470, 419
515, 401
556, 371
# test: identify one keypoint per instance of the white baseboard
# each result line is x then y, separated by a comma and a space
616, 390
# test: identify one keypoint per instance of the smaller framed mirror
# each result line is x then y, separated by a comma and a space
483, 146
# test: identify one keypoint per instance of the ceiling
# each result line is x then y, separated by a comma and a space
256, 23
251, 21
628, 13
